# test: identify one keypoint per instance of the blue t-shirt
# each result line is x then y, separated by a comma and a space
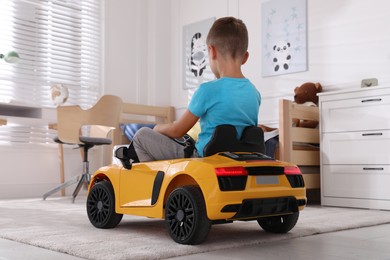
233, 101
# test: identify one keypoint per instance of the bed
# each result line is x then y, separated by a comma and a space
139, 114
300, 145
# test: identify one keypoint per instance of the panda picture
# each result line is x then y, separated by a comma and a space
284, 37
281, 56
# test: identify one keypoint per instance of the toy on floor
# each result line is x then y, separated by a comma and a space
235, 181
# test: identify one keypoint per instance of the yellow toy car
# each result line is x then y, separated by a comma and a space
191, 194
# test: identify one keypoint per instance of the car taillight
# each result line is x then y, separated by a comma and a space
292, 170
231, 171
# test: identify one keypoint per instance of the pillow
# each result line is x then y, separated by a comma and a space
130, 129
194, 131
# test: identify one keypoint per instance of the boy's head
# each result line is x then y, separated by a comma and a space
229, 36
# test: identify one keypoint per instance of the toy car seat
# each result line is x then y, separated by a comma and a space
224, 139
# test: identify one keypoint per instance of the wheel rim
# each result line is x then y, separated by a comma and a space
181, 216
98, 205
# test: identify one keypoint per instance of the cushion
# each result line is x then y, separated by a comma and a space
194, 131
130, 129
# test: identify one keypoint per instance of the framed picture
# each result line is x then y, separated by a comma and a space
195, 54
284, 37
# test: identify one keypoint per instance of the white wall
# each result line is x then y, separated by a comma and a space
347, 41
137, 51
29, 170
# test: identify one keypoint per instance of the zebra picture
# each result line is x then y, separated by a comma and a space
198, 55
195, 54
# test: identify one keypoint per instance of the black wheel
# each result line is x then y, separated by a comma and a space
101, 206
186, 217
278, 224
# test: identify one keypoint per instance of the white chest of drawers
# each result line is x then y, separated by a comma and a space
355, 148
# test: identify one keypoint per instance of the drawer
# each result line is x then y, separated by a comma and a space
359, 182
370, 147
356, 114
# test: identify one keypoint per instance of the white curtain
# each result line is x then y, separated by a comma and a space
59, 42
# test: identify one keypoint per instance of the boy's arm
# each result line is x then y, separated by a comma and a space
178, 128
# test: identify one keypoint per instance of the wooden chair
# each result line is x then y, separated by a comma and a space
85, 128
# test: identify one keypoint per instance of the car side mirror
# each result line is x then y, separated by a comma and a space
122, 154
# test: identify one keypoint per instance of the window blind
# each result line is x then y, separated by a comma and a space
59, 42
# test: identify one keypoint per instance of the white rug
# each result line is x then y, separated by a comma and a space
59, 225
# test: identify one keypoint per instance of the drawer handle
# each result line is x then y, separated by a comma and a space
373, 169
370, 134
372, 100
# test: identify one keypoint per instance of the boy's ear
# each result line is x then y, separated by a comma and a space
212, 52
244, 60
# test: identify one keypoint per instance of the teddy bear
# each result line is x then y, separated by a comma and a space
306, 94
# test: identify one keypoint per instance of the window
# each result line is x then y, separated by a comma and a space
59, 42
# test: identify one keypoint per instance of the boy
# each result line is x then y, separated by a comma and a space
230, 99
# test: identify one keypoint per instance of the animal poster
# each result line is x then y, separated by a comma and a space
284, 37
195, 54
